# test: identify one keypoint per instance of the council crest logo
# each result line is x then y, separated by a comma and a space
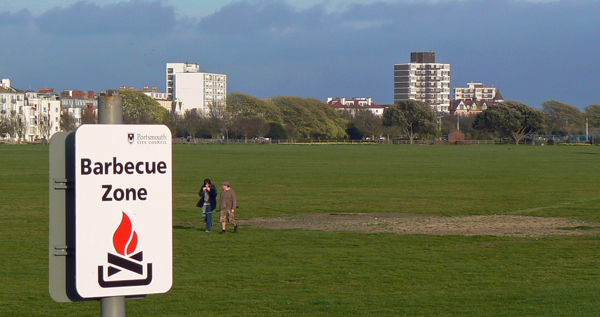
130, 137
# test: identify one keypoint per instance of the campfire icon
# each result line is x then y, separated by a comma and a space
125, 241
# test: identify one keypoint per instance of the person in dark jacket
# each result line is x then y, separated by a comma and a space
208, 202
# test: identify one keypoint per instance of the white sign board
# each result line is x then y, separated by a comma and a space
123, 210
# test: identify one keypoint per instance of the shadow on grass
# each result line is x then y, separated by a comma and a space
183, 227
580, 228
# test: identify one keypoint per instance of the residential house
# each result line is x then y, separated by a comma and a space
474, 99
353, 105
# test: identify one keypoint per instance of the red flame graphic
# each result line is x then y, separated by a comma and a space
125, 239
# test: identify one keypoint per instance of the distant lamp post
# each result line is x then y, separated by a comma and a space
457, 123
587, 131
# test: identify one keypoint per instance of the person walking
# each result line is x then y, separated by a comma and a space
228, 203
208, 202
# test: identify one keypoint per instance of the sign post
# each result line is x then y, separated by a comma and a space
111, 218
110, 111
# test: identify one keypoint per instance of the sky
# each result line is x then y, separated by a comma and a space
533, 51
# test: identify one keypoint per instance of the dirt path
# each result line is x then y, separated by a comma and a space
516, 226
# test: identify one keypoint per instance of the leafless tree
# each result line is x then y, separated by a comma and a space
18, 125
367, 122
4, 126
44, 124
175, 122
67, 122
253, 127
220, 121
291, 130
192, 122
88, 116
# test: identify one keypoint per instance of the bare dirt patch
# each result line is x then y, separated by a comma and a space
496, 225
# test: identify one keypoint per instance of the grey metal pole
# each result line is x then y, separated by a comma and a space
110, 108
112, 307
110, 111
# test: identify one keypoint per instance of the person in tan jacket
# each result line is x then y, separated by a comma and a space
228, 203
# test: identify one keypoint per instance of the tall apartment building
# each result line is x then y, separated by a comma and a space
191, 88
423, 79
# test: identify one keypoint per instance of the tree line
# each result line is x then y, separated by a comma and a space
507, 119
288, 117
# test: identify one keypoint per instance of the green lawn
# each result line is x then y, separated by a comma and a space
260, 272
434, 180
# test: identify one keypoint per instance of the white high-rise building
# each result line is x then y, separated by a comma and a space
191, 88
423, 79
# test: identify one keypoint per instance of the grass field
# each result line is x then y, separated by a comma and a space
265, 272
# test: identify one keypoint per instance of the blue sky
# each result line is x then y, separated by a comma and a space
532, 50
